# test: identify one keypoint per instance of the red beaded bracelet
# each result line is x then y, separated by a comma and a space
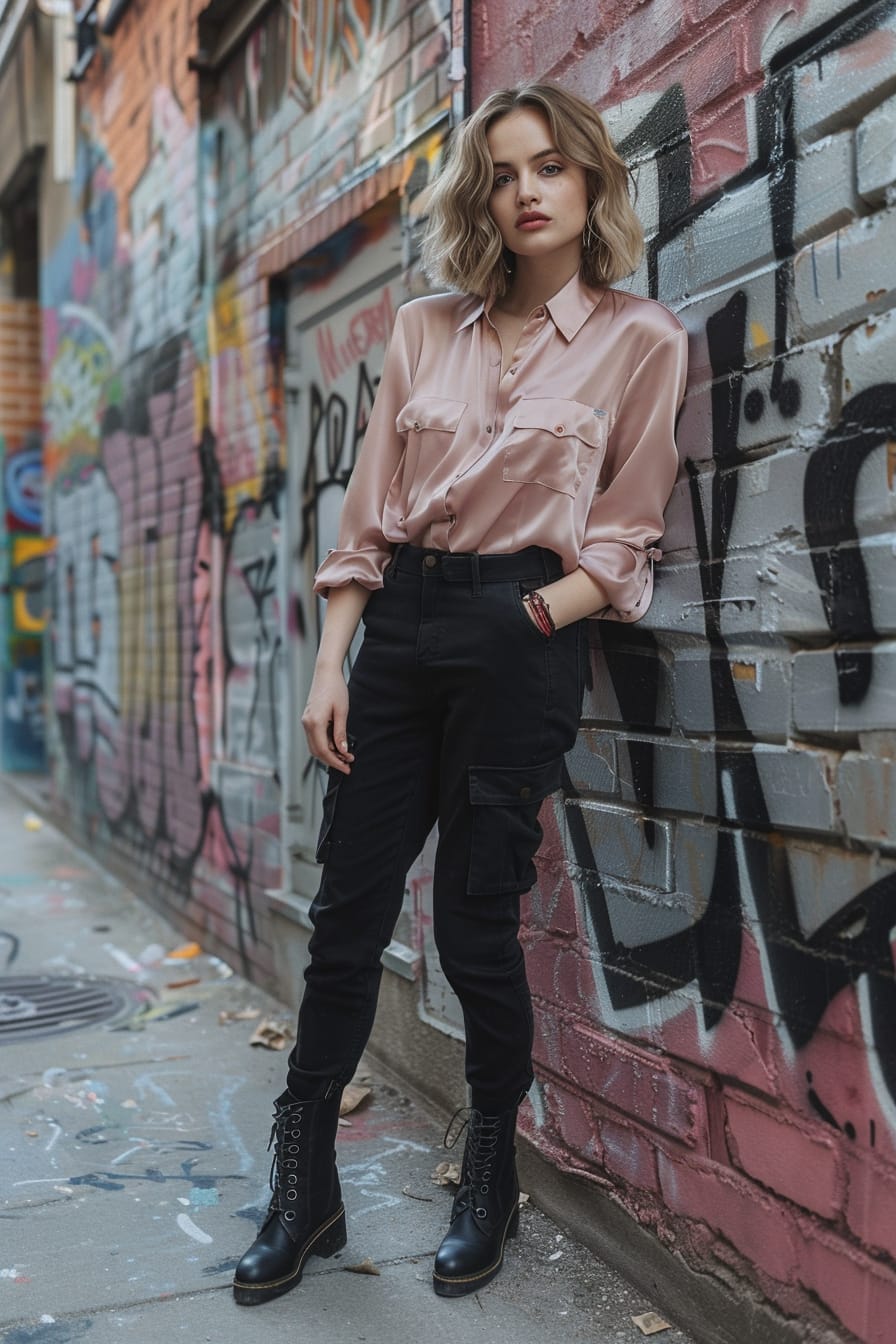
541, 611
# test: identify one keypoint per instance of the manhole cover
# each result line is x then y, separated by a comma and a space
45, 1005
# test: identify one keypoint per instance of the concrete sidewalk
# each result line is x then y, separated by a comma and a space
133, 1152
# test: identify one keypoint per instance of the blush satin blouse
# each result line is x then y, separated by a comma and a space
573, 449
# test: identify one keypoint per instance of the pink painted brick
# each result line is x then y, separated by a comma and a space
871, 1201
574, 1121
860, 1291
759, 1226
780, 1153
629, 1153
642, 1085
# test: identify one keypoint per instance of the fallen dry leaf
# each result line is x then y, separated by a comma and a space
182, 984
272, 1035
185, 952
650, 1324
237, 1015
352, 1098
446, 1173
366, 1267
31, 1133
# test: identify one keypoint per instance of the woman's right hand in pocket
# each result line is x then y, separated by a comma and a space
325, 718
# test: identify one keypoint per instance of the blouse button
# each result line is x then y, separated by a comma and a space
417, 426
558, 429
488, 429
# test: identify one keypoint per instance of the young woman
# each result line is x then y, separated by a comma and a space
512, 482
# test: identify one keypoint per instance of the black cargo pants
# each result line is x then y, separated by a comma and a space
459, 710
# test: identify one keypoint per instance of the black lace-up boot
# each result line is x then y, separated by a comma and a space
305, 1216
485, 1210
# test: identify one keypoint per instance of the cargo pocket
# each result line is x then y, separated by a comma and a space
322, 852
505, 828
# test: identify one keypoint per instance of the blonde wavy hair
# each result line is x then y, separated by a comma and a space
461, 246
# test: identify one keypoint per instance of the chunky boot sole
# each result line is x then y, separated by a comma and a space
329, 1238
471, 1283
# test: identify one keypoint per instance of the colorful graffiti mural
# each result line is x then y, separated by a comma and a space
22, 548
165, 441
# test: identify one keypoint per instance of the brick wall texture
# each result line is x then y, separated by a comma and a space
710, 941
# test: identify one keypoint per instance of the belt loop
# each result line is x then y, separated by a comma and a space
393, 563
477, 582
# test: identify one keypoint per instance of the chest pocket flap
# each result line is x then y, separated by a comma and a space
556, 443
430, 413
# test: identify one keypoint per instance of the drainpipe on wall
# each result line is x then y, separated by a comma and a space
459, 64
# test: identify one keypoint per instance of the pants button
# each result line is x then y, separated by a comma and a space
429, 562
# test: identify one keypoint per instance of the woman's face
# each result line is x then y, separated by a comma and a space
539, 199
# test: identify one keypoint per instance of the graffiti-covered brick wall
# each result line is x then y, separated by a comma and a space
22, 547
198, 183
711, 938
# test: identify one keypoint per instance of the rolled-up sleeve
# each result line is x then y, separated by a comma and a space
625, 520
362, 552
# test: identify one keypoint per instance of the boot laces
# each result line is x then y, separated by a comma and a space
286, 1134
479, 1159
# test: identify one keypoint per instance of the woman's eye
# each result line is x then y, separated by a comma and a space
552, 169
502, 179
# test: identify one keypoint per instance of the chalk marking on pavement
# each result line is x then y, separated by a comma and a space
186, 1224
222, 1116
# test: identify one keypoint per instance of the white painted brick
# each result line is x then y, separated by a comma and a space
876, 152
787, 25
592, 763
732, 236
879, 558
867, 790
816, 702
825, 188
796, 787
695, 311
761, 420
621, 848
639, 917
826, 879
868, 354
678, 604
841, 86
774, 593
845, 276
622, 119
692, 692
762, 683
684, 776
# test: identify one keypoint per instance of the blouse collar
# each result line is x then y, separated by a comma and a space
569, 308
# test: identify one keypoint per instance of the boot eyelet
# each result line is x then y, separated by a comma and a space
289, 1215
480, 1213
290, 1194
